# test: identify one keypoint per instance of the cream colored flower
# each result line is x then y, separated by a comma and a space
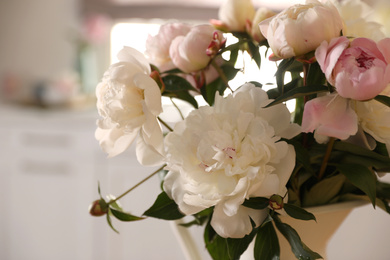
300, 29
374, 118
234, 14
261, 14
356, 15
381, 15
129, 102
219, 156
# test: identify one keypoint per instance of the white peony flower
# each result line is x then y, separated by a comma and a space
219, 156
374, 118
300, 29
261, 14
356, 15
381, 15
129, 101
235, 14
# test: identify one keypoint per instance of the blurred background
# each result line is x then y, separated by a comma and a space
52, 55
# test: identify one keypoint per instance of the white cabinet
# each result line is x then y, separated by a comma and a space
50, 167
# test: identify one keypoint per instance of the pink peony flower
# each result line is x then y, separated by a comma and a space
157, 47
190, 53
359, 69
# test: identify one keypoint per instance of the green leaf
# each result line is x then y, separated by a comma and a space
254, 51
199, 218
267, 243
294, 83
384, 204
164, 208
383, 99
99, 192
218, 85
315, 75
298, 212
230, 71
300, 250
361, 177
381, 149
183, 95
109, 222
208, 91
175, 83
234, 50
362, 156
115, 205
124, 216
257, 84
172, 71
324, 191
256, 203
299, 92
226, 248
178, 87
281, 71
302, 154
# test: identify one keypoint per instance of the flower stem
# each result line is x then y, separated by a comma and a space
138, 184
165, 124
326, 158
221, 74
305, 99
178, 109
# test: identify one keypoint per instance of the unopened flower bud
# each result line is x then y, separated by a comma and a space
98, 208
276, 202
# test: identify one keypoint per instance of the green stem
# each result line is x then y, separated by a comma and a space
221, 74
138, 184
326, 158
178, 109
165, 124
305, 99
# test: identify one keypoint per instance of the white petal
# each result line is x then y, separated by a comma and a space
131, 55
147, 154
114, 141
236, 226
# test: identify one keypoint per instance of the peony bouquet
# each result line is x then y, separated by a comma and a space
241, 159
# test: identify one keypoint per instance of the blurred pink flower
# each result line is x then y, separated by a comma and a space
96, 28
359, 69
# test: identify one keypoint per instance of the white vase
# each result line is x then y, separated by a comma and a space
315, 234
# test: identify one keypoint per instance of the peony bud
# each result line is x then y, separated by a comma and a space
261, 15
235, 13
276, 202
98, 208
190, 53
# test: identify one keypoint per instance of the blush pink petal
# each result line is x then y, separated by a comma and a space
330, 115
384, 47
368, 44
327, 54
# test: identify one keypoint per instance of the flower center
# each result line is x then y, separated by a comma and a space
230, 152
365, 60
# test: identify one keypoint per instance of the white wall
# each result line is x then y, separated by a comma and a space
35, 37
